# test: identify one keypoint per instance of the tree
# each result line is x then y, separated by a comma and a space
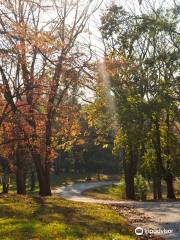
40, 63
141, 59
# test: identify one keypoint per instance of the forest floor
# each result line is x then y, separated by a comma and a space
148, 215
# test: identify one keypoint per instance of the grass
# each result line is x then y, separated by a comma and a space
117, 191
111, 192
59, 180
25, 218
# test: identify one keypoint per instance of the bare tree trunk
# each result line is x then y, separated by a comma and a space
155, 197
130, 169
168, 175
157, 193
159, 164
129, 180
20, 171
32, 181
170, 186
42, 175
5, 183
159, 188
20, 181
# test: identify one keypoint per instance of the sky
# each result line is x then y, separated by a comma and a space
95, 22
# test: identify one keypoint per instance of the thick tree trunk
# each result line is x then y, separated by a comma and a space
44, 182
130, 169
129, 181
21, 181
170, 186
42, 175
48, 182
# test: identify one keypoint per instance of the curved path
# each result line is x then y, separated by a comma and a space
156, 215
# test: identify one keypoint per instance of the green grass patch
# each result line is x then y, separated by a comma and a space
26, 217
117, 191
111, 192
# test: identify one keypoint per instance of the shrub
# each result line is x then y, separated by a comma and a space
141, 187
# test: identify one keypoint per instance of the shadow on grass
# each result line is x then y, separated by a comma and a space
51, 218
82, 220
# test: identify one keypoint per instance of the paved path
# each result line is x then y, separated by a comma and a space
163, 215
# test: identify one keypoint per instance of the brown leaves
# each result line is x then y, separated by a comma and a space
135, 218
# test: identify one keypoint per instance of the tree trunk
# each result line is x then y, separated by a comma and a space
155, 197
129, 181
5, 183
157, 193
32, 181
20, 181
20, 171
99, 176
42, 175
159, 188
168, 174
130, 169
170, 186
159, 164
